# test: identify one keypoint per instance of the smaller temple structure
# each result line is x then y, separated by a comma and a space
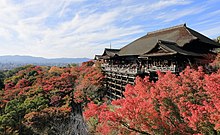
170, 49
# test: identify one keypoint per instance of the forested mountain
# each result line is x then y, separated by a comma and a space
9, 62
31, 60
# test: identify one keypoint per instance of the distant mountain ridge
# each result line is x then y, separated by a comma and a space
33, 60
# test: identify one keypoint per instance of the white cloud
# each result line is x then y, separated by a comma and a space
174, 15
212, 31
78, 28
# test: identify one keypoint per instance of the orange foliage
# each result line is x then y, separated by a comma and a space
184, 104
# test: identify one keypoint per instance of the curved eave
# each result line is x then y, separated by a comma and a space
156, 55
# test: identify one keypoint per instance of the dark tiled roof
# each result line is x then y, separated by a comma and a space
203, 38
175, 48
97, 57
181, 35
110, 52
170, 48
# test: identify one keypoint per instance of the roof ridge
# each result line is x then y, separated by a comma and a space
165, 41
165, 29
111, 49
167, 48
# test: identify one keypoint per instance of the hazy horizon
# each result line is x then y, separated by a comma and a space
44, 57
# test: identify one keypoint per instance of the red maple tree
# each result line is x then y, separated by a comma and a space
184, 104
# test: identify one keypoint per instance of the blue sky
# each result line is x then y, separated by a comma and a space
83, 28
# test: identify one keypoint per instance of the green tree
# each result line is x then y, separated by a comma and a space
218, 39
2, 77
15, 111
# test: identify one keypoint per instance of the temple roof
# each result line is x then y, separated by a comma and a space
97, 57
110, 52
169, 48
180, 35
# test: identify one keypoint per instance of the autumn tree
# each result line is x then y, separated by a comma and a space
216, 63
184, 104
49, 95
89, 83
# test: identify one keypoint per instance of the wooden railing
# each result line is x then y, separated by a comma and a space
135, 70
120, 69
172, 69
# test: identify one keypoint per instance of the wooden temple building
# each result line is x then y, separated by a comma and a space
170, 49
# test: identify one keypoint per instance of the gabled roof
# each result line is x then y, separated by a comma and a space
98, 57
181, 35
169, 48
110, 52
203, 38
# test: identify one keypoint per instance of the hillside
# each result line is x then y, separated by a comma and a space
31, 59
9, 62
38, 100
